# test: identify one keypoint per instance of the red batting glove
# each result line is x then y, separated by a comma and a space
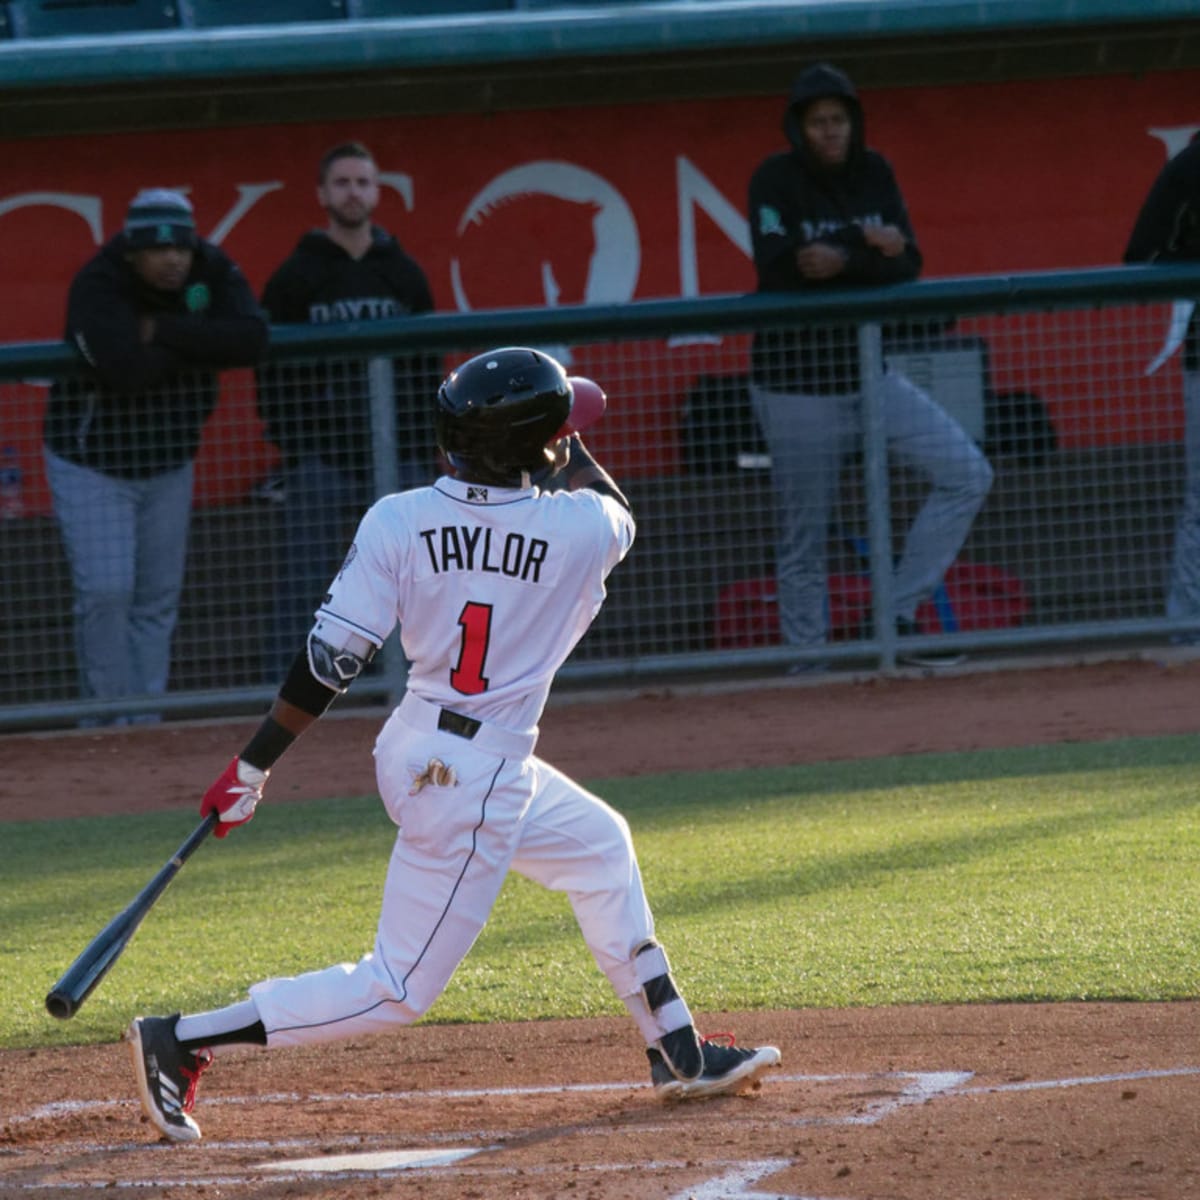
234, 796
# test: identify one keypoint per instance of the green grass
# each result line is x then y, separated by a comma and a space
1051, 873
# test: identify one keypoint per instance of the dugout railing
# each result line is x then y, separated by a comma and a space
1072, 383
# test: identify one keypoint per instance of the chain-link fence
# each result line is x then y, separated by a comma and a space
966, 465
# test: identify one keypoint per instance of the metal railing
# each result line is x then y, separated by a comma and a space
1056, 374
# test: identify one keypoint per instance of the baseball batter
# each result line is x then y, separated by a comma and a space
493, 579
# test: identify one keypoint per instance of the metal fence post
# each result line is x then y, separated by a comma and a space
385, 474
876, 483
385, 470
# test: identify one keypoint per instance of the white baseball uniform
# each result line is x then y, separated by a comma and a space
492, 587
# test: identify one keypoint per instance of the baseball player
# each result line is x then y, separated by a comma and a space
493, 579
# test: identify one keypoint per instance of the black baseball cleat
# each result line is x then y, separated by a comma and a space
681, 1053
166, 1076
727, 1069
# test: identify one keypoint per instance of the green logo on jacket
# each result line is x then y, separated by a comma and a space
770, 221
197, 298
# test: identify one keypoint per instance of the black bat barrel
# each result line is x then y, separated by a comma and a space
66, 997
68, 994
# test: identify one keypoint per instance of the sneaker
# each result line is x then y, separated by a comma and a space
271, 488
925, 658
727, 1068
820, 667
166, 1075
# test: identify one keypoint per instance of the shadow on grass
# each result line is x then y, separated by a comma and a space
652, 799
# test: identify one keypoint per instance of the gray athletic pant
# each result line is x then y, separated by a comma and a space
809, 438
1183, 595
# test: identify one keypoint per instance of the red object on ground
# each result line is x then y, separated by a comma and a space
976, 596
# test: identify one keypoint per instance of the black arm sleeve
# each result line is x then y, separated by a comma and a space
583, 471
268, 744
304, 690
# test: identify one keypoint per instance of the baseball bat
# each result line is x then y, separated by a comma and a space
66, 997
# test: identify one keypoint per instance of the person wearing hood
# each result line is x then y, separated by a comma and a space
318, 413
828, 213
1167, 230
154, 316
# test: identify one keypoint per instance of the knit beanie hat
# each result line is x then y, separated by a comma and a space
159, 217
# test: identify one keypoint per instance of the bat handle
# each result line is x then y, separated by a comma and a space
196, 837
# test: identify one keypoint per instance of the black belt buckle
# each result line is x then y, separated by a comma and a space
455, 723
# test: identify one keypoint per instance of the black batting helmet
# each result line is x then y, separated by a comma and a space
497, 412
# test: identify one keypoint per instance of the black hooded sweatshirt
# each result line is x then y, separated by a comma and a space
138, 409
1167, 229
324, 408
794, 199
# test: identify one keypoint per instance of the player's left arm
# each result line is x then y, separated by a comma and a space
578, 469
331, 660
335, 653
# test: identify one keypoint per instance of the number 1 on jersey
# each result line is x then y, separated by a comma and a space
476, 623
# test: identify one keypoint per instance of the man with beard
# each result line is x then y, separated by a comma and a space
318, 412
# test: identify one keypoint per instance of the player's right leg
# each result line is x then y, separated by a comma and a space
575, 843
166, 1076
683, 1065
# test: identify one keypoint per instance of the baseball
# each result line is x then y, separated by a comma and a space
587, 407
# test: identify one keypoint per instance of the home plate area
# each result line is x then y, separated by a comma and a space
485, 1141
1005, 1102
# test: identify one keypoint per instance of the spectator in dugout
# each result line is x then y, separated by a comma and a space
1167, 230
153, 315
318, 413
827, 213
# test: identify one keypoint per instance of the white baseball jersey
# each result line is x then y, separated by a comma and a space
492, 587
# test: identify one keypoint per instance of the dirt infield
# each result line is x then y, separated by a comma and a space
1066, 1102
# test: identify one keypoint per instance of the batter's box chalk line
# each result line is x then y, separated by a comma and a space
737, 1180
916, 1087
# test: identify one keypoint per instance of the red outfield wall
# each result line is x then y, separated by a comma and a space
609, 204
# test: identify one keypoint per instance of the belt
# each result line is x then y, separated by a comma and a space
451, 722
424, 716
